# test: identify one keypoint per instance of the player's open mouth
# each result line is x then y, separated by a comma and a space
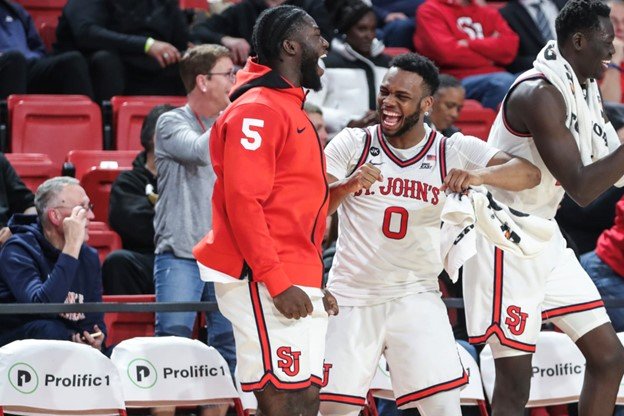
390, 119
605, 64
319, 70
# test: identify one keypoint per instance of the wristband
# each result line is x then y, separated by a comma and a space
148, 44
614, 66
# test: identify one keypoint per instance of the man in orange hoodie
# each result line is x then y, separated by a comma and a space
269, 207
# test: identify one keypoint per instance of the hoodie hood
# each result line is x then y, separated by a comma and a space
345, 50
255, 75
29, 224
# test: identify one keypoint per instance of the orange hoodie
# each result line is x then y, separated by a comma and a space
270, 197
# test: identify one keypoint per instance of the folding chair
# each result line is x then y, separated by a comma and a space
558, 371
58, 377
97, 184
172, 371
126, 325
470, 395
128, 115
54, 127
84, 160
103, 239
475, 120
32, 168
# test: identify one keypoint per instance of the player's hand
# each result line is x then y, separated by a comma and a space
330, 303
363, 178
367, 119
86, 338
459, 180
239, 49
391, 17
165, 53
5, 233
293, 303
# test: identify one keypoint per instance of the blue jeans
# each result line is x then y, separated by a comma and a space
488, 89
177, 280
38, 329
399, 33
610, 285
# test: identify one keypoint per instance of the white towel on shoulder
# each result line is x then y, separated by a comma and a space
584, 110
464, 215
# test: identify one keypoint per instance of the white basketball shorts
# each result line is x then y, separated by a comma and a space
270, 348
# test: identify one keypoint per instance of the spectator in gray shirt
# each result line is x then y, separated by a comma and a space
185, 182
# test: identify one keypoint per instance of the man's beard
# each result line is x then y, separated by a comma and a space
409, 122
309, 78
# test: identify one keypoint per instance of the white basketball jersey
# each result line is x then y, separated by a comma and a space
542, 200
389, 236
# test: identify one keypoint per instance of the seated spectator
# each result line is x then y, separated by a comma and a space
131, 214
471, 42
132, 47
24, 65
47, 260
15, 197
233, 27
315, 114
534, 22
448, 103
396, 21
354, 68
605, 265
612, 84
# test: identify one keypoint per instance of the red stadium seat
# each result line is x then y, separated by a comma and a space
54, 126
32, 168
97, 184
475, 120
85, 160
394, 51
128, 115
126, 325
195, 4
103, 239
44, 11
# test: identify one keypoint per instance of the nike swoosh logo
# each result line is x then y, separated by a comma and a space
300, 130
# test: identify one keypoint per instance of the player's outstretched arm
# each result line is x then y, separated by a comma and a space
502, 171
540, 110
363, 178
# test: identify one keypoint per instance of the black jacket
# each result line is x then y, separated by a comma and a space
531, 40
15, 197
120, 25
131, 214
238, 21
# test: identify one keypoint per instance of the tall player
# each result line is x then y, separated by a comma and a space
389, 180
553, 117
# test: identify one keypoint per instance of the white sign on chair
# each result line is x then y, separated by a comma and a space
167, 371
558, 371
60, 377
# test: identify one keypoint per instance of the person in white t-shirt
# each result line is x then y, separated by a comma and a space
388, 183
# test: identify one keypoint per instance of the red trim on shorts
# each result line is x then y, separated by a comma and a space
430, 391
408, 162
498, 285
579, 307
269, 377
263, 334
442, 156
495, 329
343, 398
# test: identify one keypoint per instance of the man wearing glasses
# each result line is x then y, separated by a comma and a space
47, 261
183, 211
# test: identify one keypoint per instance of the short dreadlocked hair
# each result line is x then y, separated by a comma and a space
274, 25
578, 16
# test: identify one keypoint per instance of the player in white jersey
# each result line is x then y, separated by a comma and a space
544, 118
388, 182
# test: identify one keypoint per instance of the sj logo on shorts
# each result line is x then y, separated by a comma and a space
289, 361
516, 319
